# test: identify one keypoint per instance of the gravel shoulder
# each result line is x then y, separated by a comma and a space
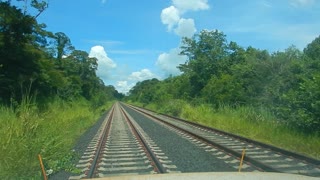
81, 146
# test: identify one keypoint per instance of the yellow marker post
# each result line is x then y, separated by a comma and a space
42, 168
242, 157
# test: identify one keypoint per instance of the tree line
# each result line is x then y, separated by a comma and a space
219, 72
34, 61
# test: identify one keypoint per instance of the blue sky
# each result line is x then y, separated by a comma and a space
138, 40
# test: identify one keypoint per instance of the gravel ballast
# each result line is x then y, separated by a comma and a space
184, 154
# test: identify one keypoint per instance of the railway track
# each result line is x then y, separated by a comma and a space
120, 147
264, 157
135, 141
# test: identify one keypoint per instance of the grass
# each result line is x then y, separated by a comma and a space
251, 122
26, 132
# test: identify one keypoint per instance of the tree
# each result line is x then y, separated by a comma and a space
144, 91
177, 87
28, 65
313, 49
204, 51
301, 106
224, 90
40, 6
62, 44
18, 58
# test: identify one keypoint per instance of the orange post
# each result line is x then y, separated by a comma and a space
242, 157
42, 168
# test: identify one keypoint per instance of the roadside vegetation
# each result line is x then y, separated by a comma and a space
27, 131
254, 123
272, 97
49, 94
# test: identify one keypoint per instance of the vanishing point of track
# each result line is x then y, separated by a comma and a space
120, 147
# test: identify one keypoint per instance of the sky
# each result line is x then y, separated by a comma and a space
135, 40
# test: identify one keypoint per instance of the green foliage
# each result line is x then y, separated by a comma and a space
26, 132
173, 107
223, 89
144, 91
313, 49
40, 6
42, 64
252, 122
217, 72
27, 58
304, 101
205, 52
18, 59
62, 44
65, 163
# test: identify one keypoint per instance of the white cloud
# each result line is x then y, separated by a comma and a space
186, 28
170, 16
144, 74
301, 3
123, 86
169, 61
109, 72
127, 83
104, 62
191, 5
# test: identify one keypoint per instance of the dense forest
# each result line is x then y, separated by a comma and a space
218, 73
50, 93
34, 61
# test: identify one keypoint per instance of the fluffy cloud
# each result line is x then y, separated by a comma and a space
123, 86
109, 71
170, 16
104, 62
186, 28
142, 75
169, 61
191, 5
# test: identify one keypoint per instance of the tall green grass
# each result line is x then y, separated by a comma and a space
252, 122
26, 132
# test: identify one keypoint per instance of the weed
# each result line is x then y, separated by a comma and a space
253, 122
26, 131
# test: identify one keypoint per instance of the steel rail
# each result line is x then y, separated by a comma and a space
271, 147
157, 164
228, 150
92, 170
